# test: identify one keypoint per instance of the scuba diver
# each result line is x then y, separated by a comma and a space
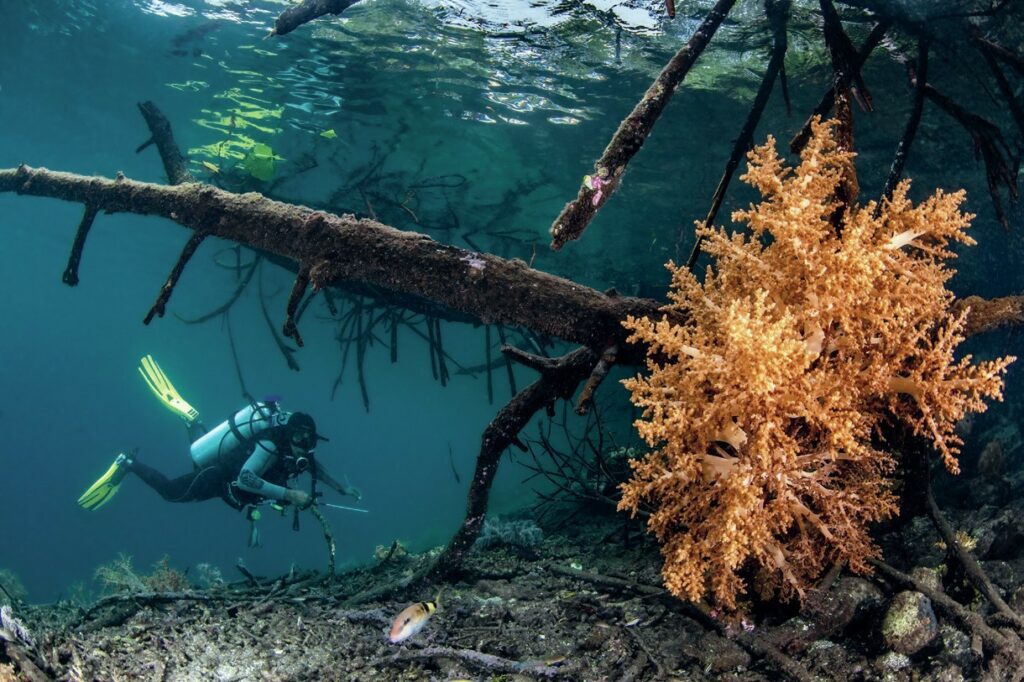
247, 460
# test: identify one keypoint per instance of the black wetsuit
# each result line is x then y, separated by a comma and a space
218, 480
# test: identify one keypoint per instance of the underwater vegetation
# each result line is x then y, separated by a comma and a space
119, 576
522, 533
766, 410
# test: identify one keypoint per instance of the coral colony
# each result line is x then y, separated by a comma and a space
765, 408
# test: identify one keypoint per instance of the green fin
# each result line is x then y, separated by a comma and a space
164, 390
100, 492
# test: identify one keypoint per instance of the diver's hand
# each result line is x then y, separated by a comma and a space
299, 498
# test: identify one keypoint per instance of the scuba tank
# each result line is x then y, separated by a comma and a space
236, 432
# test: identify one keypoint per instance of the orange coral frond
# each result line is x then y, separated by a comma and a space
800, 343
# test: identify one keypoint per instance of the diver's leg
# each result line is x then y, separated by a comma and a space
202, 484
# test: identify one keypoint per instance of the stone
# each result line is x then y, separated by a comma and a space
910, 623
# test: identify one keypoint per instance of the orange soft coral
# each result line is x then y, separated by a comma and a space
763, 409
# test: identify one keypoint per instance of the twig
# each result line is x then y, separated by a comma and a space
237, 362
1004, 87
361, 356
451, 462
287, 352
158, 308
298, 290
601, 369
442, 368
633, 131
635, 634
250, 271
974, 571
248, 575
508, 361
328, 538
988, 145
920, 79
487, 361
71, 271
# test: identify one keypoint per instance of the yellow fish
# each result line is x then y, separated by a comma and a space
412, 619
329, 134
212, 167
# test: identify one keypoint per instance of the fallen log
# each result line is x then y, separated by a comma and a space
339, 249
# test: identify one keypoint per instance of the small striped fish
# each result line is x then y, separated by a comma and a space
412, 619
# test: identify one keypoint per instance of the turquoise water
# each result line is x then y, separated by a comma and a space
471, 122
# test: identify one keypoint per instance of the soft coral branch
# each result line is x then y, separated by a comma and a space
798, 346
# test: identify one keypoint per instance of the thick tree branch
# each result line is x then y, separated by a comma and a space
632, 133
990, 314
340, 249
174, 162
305, 12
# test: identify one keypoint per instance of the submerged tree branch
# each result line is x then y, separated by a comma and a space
174, 163
305, 12
633, 132
919, 77
340, 249
778, 15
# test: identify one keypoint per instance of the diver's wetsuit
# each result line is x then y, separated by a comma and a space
201, 484
262, 475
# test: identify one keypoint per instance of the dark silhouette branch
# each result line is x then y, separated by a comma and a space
71, 271
989, 145
778, 15
305, 12
919, 77
827, 101
174, 162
